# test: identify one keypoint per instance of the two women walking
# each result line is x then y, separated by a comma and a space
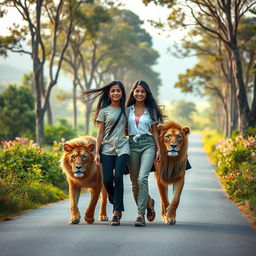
141, 117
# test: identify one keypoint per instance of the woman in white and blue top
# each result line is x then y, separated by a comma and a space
144, 115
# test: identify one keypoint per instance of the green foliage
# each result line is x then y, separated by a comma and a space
59, 132
29, 176
91, 17
236, 165
184, 110
25, 161
16, 112
251, 131
15, 197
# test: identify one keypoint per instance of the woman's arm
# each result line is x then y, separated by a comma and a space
156, 139
99, 139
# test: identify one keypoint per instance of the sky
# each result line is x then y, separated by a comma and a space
168, 66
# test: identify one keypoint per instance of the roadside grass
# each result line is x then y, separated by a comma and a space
16, 197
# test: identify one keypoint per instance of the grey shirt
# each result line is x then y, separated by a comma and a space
116, 143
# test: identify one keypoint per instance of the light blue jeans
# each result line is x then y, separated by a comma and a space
140, 162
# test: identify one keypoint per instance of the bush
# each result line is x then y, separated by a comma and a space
236, 164
29, 176
24, 160
17, 197
57, 132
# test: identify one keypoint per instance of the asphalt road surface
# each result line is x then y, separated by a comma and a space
207, 224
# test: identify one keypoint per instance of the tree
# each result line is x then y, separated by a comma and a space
17, 114
87, 21
213, 75
224, 17
183, 111
36, 14
114, 50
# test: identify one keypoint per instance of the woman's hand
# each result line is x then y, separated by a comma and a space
97, 159
158, 156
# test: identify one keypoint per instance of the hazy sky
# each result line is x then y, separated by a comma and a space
168, 66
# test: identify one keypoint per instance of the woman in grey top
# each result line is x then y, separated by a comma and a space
112, 147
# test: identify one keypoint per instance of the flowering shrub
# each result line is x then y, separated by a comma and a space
25, 160
25, 168
236, 164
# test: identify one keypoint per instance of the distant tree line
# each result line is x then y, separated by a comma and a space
93, 42
222, 35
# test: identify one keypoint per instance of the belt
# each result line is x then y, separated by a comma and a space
137, 136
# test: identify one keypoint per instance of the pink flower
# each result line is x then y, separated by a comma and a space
250, 178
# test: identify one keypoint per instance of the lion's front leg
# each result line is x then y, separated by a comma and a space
94, 196
171, 211
74, 194
103, 205
163, 190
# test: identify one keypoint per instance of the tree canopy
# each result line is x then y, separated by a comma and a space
17, 116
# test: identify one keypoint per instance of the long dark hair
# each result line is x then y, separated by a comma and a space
104, 100
150, 102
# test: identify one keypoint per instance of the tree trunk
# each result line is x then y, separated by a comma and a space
49, 112
233, 103
39, 127
38, 105
242, 100
74, 104
252, 116
88, 107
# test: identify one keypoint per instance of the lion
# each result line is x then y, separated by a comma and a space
78, 164
173, 139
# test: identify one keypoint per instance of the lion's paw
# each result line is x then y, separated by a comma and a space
170, 221
103, 218
89, 220
74, 220
163, 218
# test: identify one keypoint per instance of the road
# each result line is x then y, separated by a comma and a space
207, 224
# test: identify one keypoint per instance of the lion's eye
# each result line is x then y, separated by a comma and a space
167, 137
83, 157
73, 158
178, 137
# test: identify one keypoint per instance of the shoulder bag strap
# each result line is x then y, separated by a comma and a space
115, 124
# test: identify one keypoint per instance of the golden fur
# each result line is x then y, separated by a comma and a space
78, 164
173, 139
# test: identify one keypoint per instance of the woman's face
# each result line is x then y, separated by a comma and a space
115, 93
139, 93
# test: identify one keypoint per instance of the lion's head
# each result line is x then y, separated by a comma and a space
78, 156
174, 139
